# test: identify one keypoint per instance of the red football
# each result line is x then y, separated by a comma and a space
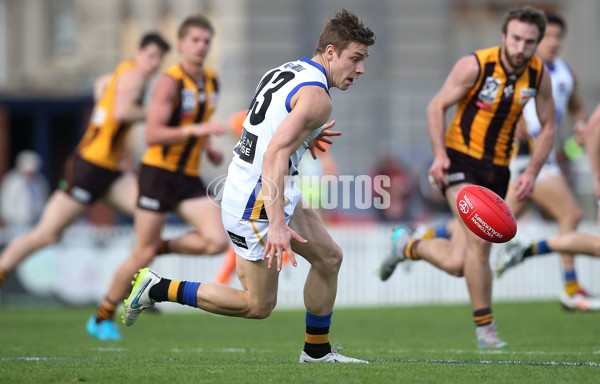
486, 214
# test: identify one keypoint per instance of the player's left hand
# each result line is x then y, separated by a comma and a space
524, 186
323, 137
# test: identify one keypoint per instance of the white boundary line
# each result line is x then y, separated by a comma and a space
426, 361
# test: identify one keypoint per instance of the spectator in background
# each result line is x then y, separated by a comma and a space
401, 189
24, 191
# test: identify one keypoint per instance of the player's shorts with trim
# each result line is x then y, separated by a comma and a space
85, 181
520, 163
162, 190
467, 169
248, 236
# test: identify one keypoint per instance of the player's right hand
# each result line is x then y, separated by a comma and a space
278, 242
209, 128
438, 171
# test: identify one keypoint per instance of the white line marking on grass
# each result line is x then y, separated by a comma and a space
109, 349
492, 362
493, 352
426, 361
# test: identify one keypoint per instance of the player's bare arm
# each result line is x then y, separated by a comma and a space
577, 111
311, 109
546, 111
100, 86
159, 112
458, 83
129, 89
214, 155
593, 146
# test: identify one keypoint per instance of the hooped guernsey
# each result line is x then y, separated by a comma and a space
195, 103
484, 124
242, 194
103, 141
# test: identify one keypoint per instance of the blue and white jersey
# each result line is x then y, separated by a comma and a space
242, 194
562, 88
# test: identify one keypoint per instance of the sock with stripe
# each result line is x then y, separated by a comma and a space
182, 292
482, 317
410, 250
571, 284
106, 310
537, 248
316, 344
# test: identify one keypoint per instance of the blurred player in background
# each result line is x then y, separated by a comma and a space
592, 141
177, 131
552, 192
265, 216
91, 172
569, 243
490, 89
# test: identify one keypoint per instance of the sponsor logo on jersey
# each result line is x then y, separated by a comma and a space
99, 116
214, 99
81, 194
246, 147
149, 203
238, 240
526, 94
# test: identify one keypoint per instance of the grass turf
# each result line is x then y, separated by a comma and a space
424, 344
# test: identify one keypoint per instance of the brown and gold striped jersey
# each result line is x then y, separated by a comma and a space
195, 103
485, 119
103, 141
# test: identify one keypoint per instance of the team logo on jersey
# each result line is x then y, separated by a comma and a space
508, 91
526, 94
490, 89
246, 147
188, 100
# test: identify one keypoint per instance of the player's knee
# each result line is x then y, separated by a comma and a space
337, 257
145, 253
331, 260
575, 215
261, 310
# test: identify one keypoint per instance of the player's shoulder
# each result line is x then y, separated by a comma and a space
210, 73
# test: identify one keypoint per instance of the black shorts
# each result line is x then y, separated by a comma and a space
85, 181
467, 169
162, 190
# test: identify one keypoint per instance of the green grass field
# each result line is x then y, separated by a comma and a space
428, 344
